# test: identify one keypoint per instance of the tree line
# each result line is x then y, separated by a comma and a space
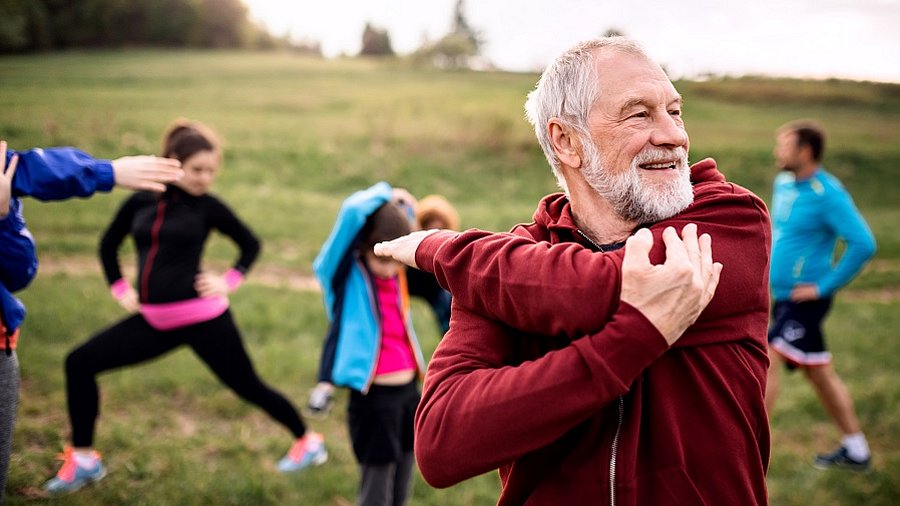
44, 25
37, 25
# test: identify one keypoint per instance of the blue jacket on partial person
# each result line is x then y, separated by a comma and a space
350, 353
45, 174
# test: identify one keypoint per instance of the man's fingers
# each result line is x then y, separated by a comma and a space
691, 243
160, 171
3, 151
165, 169
150, 160
168, 162
714, 281
152, 186
146, 172
637, 250
169, 174
676, 252
11, 170
403, 249
706, 261
384, 249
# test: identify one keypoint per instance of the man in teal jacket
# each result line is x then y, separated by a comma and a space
811, 210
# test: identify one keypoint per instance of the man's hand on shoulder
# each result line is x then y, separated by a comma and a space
673, 294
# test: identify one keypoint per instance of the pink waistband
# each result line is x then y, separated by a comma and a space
173, 315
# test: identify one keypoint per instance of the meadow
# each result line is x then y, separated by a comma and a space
301, 134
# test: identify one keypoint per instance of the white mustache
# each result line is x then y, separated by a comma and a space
654, 154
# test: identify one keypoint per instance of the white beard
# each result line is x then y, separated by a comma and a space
637, 200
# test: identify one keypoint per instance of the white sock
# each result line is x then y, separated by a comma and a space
86, 459
856, 445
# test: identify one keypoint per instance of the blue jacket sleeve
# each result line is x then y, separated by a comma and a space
12, 311
18, 259
18, 264
350, 220
45, 174
847, 223
60, 173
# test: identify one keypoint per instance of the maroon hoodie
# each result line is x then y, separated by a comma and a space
576, 397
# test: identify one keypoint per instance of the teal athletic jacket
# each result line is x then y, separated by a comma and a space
808, 217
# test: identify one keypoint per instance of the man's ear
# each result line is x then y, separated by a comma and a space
566, 143
806, 153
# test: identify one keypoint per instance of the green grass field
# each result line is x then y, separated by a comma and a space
300, 135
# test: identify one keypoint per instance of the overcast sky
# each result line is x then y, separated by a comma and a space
857, 39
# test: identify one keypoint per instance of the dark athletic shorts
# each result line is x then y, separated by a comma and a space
796, 332
381, 423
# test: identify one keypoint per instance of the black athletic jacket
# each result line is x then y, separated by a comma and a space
169, 232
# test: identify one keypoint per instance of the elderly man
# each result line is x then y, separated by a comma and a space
552, 370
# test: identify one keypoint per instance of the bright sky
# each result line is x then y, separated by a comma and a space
856, 39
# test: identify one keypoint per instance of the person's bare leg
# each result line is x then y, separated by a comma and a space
834, 397
854, 451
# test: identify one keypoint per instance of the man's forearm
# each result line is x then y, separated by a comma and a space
528, 285
475, 409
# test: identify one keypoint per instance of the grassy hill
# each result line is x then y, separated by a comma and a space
300, 135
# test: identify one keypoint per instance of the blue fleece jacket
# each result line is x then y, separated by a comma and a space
350, 353
45, 174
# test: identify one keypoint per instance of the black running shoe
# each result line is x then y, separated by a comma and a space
840, 459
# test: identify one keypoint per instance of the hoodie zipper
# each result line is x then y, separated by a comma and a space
614, 454
154, 247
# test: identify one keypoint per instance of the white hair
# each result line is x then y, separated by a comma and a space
567, 90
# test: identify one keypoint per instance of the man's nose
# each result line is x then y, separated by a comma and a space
668, 131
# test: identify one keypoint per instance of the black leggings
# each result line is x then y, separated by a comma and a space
217, 342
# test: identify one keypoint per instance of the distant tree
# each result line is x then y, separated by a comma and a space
455, 50
462, 28
375, 42
27, 25
223, 23
613, 32
24, 25
308, 47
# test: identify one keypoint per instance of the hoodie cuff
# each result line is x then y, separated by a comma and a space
106, 177
428, 248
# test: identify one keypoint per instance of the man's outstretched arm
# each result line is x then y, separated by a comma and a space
565, 289
64, 172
